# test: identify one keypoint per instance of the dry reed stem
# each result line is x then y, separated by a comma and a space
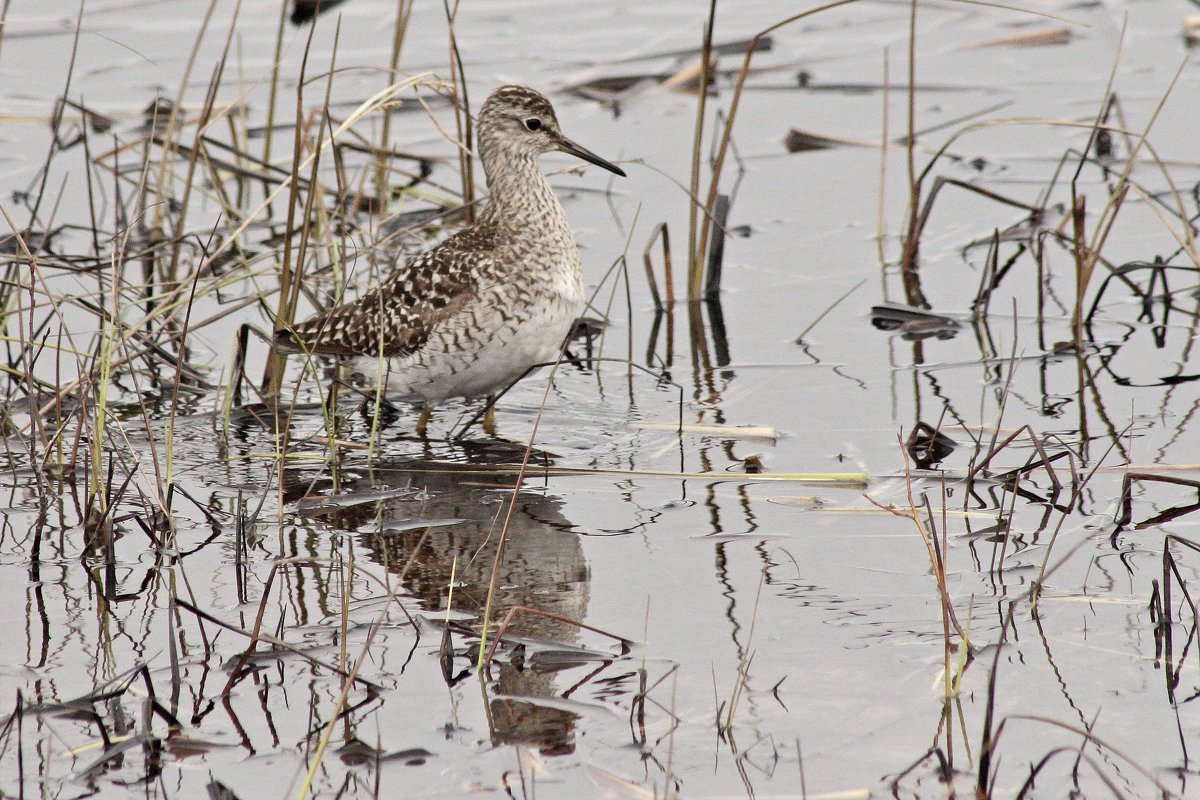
936, 563
695, 269
849, 480
462, 114
694, 279
173, 116
660, 232
1108, 215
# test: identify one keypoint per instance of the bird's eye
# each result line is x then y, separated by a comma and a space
533, 124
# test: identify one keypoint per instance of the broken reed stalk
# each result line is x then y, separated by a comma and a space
914, 295
1083, 267
700, 246
1086, 248
716, 249
1164, 608
666, 301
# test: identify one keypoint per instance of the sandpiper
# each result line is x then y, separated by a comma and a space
476, 312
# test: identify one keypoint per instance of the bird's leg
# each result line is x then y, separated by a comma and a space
423, 420
489, 416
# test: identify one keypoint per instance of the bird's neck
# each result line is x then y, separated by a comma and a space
519, 195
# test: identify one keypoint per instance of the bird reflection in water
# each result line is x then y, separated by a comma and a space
543, 567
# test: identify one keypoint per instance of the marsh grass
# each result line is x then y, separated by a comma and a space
188, 226
1085, 247
1082, 233
144, 325
959, 653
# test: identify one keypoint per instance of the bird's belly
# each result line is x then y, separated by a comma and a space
479, 352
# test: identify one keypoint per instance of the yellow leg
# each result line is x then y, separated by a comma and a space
489, 417
423, 420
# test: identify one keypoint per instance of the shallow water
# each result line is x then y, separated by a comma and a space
807, 608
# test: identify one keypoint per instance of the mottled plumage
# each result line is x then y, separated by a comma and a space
470, 316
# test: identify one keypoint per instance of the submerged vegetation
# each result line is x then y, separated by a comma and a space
221, 557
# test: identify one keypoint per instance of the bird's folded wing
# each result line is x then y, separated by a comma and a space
396, 317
